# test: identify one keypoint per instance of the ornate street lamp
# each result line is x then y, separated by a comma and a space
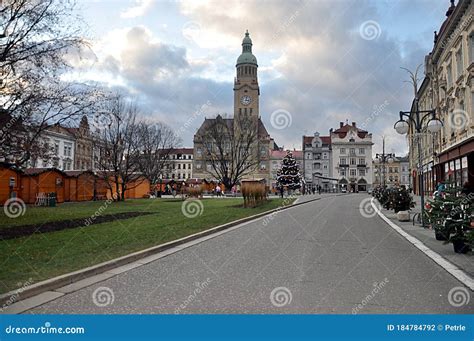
382, 159
429, 120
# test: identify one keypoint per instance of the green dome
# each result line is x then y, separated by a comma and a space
247, 57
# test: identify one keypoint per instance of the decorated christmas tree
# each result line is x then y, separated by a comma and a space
450, 216
289, 174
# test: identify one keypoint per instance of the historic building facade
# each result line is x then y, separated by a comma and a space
317, 161
179, 165
57, 149
447, 88
352, 157
396, 172
246, 107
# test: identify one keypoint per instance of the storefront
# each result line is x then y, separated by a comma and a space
456, 165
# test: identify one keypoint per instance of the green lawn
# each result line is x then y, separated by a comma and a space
42, 256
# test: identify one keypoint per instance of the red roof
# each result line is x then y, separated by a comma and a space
324, 139
342, 131
280, 154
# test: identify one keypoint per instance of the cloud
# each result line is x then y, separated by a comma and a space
314, 61
140, 9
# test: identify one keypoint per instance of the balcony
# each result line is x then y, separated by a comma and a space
343, 165
362, 165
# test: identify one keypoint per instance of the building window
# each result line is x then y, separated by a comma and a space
361, 161
343, 150
352, 151
470, 44
449, 75
353, 172
353, 161
342, 161
263, 166
67, 149
362, 151
459, 64
56, 147
361, 172
343, 172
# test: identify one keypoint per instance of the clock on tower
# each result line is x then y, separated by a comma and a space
246, 89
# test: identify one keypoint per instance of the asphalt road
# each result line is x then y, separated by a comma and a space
321, 257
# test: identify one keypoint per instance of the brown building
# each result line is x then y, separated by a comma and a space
246, 107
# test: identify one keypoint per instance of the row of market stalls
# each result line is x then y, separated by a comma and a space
34, 183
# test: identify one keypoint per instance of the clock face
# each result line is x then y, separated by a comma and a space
245, 100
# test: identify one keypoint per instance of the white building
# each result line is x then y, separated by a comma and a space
317, 162
57, 149
352, 157
180, 165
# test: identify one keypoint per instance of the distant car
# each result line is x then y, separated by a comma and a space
343, 190
369, 191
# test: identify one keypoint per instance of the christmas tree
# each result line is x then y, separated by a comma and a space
289, 174
450, 215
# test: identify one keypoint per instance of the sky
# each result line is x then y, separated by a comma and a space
320, 62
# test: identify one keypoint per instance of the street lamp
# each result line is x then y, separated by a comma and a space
433, 125
384, 158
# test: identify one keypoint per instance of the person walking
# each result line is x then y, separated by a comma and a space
218, 191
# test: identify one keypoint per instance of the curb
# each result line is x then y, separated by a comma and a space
51, 284
455, 271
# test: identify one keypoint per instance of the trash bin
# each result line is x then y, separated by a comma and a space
52, 199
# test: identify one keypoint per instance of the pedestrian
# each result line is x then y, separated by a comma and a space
218, 191
281, 191
319, 189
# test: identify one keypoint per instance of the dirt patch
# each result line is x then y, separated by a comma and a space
26, 230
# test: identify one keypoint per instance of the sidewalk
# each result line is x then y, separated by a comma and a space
464, 261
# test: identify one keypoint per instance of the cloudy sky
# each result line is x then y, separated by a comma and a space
320, 61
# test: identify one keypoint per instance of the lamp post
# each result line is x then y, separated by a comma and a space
419, 119
384, 158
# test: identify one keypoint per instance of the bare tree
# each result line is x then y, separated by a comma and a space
231, 148
156, 142
119, 143
35, 38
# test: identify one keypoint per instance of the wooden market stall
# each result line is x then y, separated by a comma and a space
10, 182
39, 181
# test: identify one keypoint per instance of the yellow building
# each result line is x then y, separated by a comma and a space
449, 90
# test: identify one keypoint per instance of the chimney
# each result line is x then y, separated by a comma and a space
353, 124
341, 124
